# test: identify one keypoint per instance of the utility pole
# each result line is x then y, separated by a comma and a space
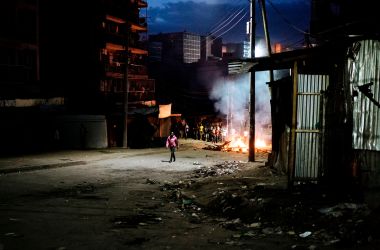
252, 113
125, 94
266, 31
271, 79
38, 51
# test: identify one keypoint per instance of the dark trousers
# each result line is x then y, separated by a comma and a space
172, 155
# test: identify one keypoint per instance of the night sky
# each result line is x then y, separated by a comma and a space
287, 19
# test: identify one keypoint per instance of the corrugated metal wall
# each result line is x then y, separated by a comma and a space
310, 124
365, 68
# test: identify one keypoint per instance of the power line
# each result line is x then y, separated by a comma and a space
229, 13
224, 21
286, 20
233, 26
291, 45
235, 16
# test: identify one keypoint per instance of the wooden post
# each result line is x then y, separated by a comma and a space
125, 94
292, 146
252, 26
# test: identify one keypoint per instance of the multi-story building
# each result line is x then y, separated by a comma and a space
20, 87
184, 47
102, 57
19, 48
88, 58
186, 66
119, 89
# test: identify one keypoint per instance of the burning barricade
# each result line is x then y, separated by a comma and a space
238, 143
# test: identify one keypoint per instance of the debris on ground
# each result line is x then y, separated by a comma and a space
258, 207
151, 181
216, 147
135, 220
224, 168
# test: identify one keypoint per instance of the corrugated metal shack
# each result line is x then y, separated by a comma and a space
326, 112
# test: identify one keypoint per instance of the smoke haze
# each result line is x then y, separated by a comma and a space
232, 94
231, 98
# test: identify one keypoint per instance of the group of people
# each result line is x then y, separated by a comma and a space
211, 133
204, 130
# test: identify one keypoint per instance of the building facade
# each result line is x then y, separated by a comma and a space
68, 65
184, 47
19, 48
21, 94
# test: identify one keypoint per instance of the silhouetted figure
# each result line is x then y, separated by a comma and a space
187, 130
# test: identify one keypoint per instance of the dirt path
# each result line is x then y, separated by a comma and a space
135, 199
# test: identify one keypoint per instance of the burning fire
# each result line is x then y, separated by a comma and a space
237, 144
259, 143
240, 144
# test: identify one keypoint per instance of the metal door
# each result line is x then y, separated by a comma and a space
309, 127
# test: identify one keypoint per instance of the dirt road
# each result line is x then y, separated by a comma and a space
136, 199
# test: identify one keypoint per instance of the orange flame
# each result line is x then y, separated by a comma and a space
259, 143
240, 144
236, 144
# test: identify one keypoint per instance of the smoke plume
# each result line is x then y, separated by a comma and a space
232, 96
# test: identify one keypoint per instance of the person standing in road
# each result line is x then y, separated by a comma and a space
172, 144
201, 131
187, 130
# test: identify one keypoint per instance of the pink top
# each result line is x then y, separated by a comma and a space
172, 141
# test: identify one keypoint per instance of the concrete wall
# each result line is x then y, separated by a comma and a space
82, 131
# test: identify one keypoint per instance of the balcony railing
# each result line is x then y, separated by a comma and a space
138, 27
118, 29
112, 85
137, 59
140, 96
114, 70
137, 85
137, 71
114, 65
134, 85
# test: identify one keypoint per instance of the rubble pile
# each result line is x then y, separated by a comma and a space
258, 210
187, 205
261, 212
225, 168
